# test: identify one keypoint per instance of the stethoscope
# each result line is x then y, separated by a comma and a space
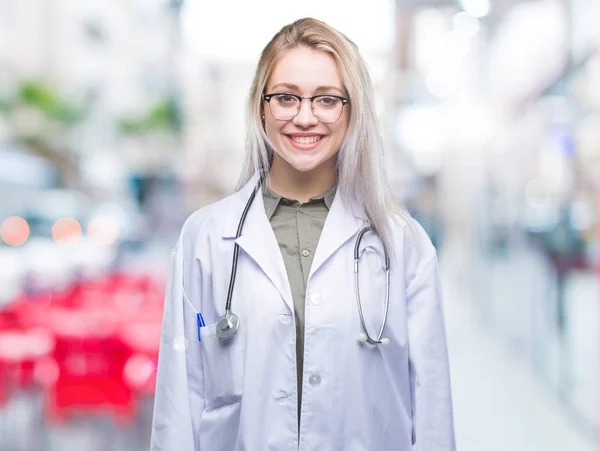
229, 322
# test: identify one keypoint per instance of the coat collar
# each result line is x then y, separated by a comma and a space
258, 239
342, 223
259, 242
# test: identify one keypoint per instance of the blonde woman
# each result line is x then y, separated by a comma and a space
304, 311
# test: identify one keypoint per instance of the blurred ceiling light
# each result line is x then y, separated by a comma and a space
14, 231
103, 230
476, 8
66, 230
466, 24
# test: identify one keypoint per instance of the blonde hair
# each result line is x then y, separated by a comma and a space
360, 162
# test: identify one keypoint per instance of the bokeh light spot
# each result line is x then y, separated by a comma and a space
66, 230
180, 343
103, 230
14, 231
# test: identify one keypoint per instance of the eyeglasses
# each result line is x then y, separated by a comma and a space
325, 107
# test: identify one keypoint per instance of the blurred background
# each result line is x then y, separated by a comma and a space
120, 117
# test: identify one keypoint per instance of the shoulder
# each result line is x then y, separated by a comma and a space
411, 236
412, 244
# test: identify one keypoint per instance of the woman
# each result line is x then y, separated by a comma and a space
278, 354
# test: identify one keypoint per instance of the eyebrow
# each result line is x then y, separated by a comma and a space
320, 88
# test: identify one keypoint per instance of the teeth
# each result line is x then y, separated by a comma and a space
305, 140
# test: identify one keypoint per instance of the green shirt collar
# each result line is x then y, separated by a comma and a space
272, 199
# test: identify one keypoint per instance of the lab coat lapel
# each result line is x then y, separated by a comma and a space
341, 225
258, 239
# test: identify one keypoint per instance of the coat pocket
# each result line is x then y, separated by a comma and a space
223, 365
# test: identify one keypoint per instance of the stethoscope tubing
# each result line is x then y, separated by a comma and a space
236, 247
369, 339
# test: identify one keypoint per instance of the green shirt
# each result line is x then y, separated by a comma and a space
297, 227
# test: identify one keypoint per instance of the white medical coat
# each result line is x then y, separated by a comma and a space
241, 394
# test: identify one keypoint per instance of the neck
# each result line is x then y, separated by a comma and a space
288, 182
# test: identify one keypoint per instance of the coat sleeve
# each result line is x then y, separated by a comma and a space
433, 420
172, 421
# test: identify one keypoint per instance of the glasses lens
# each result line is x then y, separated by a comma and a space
285, 107
327, 109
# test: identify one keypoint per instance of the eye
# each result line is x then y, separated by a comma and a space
328, 101
286, 99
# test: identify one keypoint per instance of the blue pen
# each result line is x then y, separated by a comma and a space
201, 323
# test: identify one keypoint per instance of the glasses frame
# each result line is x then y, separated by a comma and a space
268, 97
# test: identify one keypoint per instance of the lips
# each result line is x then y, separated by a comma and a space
305, 142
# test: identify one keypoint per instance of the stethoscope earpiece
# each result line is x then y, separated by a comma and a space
362, 338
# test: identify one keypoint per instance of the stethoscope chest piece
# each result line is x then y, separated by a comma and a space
228, 325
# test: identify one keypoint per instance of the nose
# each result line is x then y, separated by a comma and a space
305, 116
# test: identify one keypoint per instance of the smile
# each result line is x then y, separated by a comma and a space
306, 139
305, 142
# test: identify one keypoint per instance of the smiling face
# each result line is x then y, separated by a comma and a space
304, 144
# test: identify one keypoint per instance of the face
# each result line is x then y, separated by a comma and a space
306, 72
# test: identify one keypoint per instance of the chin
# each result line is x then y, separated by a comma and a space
305, 164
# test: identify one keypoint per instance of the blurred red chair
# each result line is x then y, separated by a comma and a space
90, 361
104, 339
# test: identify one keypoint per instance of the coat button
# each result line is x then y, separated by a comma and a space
305, 252
315, 299
314, 380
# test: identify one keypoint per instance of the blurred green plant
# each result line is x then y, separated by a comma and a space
162, 116
37, 98
42, 97
45, 99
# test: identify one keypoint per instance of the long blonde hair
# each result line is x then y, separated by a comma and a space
360, 162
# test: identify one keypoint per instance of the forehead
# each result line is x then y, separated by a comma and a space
306, 68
